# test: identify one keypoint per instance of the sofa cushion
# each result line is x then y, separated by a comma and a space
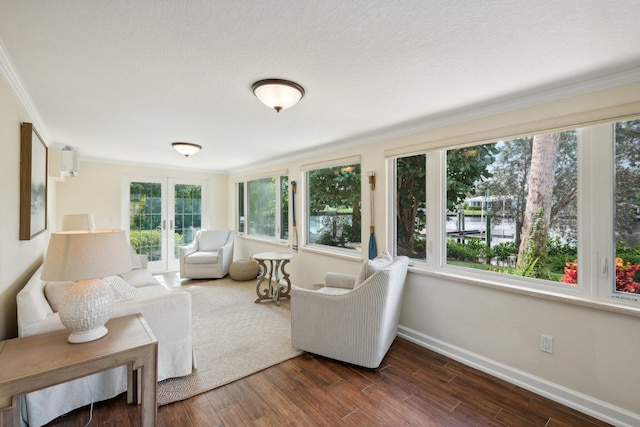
121, 289
135, 259
54, 292
202, 258
212, 240
371, 266
139, 278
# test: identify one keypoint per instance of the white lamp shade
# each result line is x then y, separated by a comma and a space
78, 255
278, 94
78, 222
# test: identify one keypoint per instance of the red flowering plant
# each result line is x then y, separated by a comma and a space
624, 275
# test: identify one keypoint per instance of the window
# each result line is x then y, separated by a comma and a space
528, 211
627, 207
263, 207
333, 208
241, 213
410, 203
512, 206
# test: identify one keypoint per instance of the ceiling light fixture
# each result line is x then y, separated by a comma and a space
278, 94
186, 148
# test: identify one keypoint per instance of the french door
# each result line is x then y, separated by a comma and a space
159, 215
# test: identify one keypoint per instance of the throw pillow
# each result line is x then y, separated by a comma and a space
135, 259
54, 292
122, 290
371, 266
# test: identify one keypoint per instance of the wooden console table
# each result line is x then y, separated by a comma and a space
35, 362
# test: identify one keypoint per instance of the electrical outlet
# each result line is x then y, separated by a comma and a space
546, 343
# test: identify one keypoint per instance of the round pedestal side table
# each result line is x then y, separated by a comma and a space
269, 285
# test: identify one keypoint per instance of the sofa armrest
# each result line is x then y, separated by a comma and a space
340, 280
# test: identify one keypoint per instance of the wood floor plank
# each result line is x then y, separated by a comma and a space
304, 398
413, 387
201, 412
233, 416
279, 402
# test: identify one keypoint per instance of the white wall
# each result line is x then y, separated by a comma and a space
98, 189
18, 259
594, 365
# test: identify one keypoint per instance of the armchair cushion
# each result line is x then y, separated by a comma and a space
371, 266
212, 240
202, 258
339, 280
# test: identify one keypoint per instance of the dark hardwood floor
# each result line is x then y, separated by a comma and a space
412, 387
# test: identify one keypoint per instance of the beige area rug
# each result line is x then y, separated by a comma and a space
233, 337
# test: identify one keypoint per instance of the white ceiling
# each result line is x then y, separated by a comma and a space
120, 79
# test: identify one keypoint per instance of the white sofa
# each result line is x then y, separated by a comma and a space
167, 312
352, 318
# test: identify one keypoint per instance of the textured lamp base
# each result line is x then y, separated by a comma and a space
86, 336
85, 309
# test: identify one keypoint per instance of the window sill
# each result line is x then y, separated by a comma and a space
348, 255
579, 300
272, 241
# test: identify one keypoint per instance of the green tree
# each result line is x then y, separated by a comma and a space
338, 189
410, 204
627, 158
466, 167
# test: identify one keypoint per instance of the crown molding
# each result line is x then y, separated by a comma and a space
529, 98
9, 72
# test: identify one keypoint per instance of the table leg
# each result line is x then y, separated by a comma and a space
149, 388
284, 291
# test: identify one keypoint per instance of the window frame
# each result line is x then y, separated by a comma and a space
596, 244
243, 210
352, 254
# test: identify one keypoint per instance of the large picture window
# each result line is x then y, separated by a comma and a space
556, 210
511, 205
334, 207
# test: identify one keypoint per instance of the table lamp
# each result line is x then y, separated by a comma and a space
85, 256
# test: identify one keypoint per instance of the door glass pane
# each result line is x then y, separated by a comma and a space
188, 201
145, 218
627, 223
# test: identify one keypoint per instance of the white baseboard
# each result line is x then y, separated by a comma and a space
571, 398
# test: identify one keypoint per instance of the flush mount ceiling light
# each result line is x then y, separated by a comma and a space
278, 94
186, 148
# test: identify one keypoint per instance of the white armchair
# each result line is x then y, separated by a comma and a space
209, 256
351, 319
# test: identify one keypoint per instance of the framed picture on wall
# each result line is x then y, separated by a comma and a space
33, 183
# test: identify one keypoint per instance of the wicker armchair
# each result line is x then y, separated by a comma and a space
353, 319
